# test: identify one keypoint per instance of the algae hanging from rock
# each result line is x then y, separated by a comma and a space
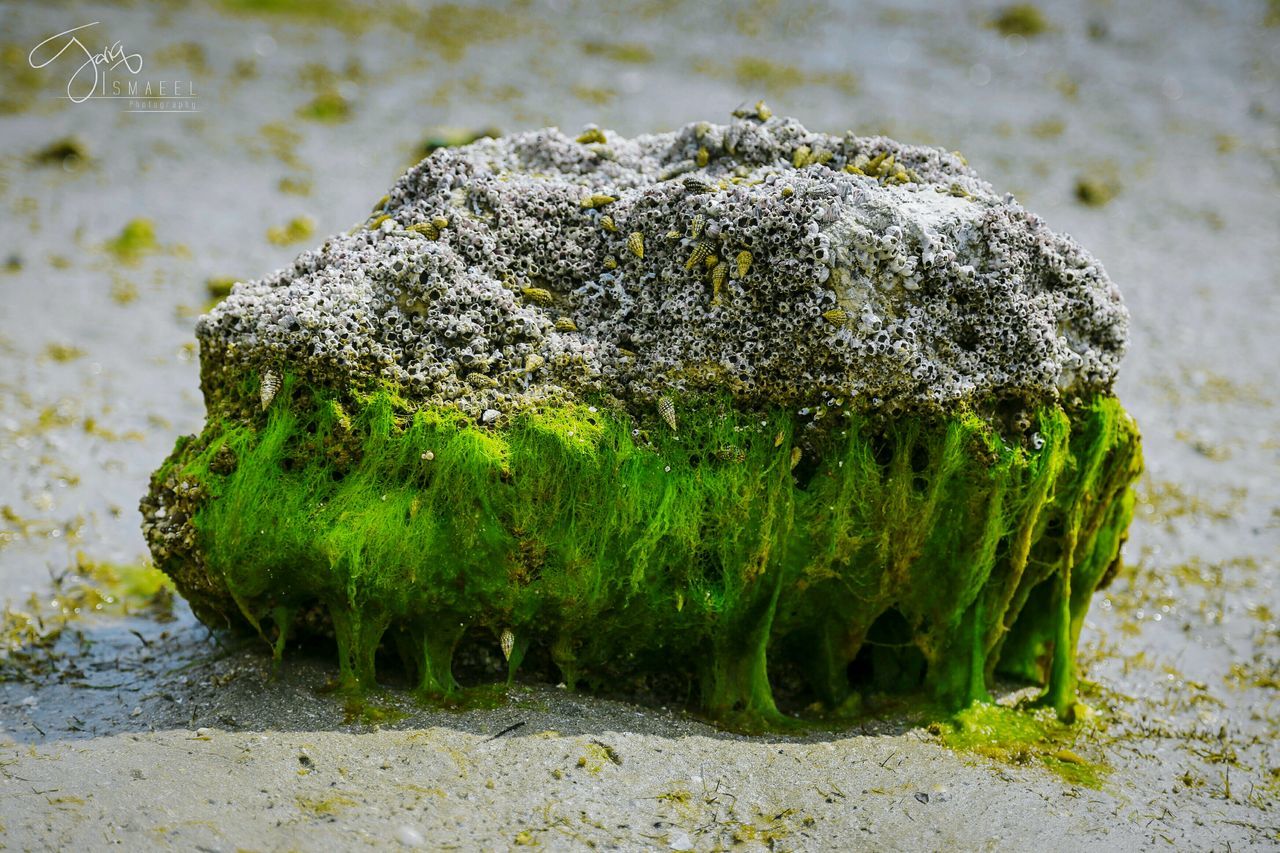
703, 556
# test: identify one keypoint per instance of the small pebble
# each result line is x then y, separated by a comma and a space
680, 841
409, 837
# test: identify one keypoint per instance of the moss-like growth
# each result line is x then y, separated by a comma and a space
452, 137
1020, 19
69, 152
1096, 190
329, 106
296, 229
136, 239
741, 549
1017, 737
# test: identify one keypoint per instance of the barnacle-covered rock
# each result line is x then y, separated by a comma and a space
715, 402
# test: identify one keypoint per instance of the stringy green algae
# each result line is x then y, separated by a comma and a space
913, 553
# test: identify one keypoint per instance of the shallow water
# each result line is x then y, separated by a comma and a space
1174, 105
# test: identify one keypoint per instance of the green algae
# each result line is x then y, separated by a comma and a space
135, 240
595, 95
296, 229
340, 14
29, 633
324, 805
452, 137
329, 106
1096, 190
330, 103
920, 555
451, 29
20, 84
627, 52
68, 152
1014, 736
123, 291
292, 185
61, 352
1020, 19
219, 287
756, 72
279, 140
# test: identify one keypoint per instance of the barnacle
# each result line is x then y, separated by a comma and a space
899, 465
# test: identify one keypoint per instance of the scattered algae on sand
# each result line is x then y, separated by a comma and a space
136, 239
880, 454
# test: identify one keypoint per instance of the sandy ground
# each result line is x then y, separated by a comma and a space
155, 734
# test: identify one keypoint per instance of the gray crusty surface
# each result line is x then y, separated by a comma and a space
792, 267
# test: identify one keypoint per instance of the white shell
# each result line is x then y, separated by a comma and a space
270, 385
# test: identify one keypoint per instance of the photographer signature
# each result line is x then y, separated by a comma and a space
112, 56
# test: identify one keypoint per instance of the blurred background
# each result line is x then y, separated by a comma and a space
1146, 130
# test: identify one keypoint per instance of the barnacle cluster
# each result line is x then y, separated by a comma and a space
793, 265
727, 402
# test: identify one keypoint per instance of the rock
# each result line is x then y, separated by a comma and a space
685, 403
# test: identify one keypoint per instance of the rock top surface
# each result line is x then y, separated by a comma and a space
755, 258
